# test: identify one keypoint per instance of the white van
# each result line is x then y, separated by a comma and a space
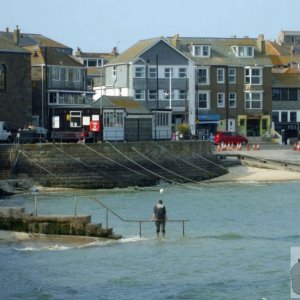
5, 133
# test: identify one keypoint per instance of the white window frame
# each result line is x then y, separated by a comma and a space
152, 72
207, 76
55, 73
168, 72
243, 51
152, 95
201, 50
139, 71
232, 100
75, 115
182, 94
251, 103
139, 95
220, 75
207, 93
182, 72
114, 71
231, 75
220, 100
251, 78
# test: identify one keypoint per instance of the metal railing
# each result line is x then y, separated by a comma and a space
109, 210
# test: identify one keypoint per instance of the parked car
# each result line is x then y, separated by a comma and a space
229, 137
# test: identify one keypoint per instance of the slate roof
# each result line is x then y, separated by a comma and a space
134, 51
287, 80
51, 56
131, 106
30, 39
222, 52
8, 46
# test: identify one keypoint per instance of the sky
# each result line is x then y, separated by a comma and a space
100, 25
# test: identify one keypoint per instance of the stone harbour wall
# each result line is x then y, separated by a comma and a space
118, 164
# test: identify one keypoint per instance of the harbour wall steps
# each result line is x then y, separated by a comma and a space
15, 219
109, 165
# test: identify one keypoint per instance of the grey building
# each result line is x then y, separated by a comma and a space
15, 84
158, 75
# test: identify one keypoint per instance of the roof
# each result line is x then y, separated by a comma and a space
8, 46
131, 106
134, 51
222, 51
51, 56
287, 80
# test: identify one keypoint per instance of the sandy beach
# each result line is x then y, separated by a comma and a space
245, 173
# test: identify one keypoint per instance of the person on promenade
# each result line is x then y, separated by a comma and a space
160, 218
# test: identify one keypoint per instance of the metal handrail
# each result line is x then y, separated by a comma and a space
109, 210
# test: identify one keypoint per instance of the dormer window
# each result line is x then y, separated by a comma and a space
243, 51
201, 50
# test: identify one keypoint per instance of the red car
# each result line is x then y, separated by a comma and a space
229, 137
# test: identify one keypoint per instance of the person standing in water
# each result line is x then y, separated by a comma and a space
160, 218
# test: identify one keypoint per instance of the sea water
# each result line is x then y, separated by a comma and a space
236, 245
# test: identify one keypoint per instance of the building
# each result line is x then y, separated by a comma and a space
158, 75
15, 83
285, 87
232, 83
94, 62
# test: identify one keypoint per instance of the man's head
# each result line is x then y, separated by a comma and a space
160, 202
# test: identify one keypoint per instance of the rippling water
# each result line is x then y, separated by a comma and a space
236, 246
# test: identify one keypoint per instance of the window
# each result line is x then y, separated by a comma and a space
162, 119
293, 116
253, 75
53, 98
55, 73
284, 94
182, 73
114, 71
253, 100
232, 75
152, 72
152, 95
167, 95
232, 100
72, 74
284, 116
220, 75
75, 118
2, 77
139, 95
201, 50
113, 119
220, 100
275, 116
243, 51
182, 95
168, 72
203, 100
203, 76
139, 72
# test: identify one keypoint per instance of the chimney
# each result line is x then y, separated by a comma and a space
7, 29
114, 52
17, 35
175, 41
261, 43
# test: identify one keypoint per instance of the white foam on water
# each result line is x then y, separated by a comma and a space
44, 248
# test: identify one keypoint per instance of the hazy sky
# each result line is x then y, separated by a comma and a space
99, 25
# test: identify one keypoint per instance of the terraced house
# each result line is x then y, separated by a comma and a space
232, 83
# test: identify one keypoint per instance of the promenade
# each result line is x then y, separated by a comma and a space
272, 162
